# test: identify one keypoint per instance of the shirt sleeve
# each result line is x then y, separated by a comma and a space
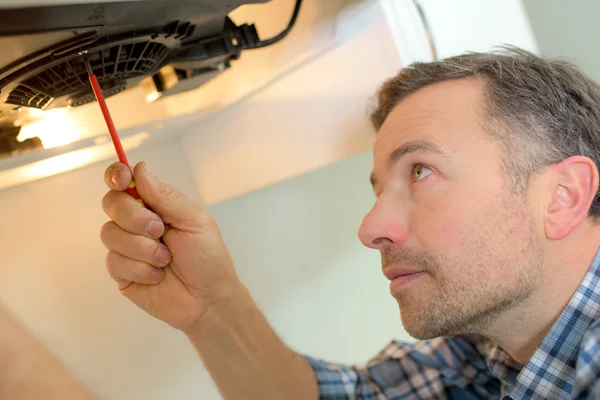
587, 373
447, 367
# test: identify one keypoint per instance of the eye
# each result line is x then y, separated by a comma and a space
420, 172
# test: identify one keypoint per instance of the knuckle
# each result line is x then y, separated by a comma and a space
105, 231
169, 193
140, 220
110, 262
207, 217
153, 251
207, 220
144, 274
111, 266
106, 202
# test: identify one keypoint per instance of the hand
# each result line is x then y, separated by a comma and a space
191, 284
177, 281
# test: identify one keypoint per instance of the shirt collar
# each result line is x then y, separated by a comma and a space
551, 369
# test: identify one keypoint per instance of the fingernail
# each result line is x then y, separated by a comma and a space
157, 274
155, 229
163, 255
115, 177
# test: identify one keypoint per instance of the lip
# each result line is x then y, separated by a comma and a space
395, 271
400, 276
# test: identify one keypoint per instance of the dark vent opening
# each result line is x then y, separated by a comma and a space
108, 90
126, 61
28, 97
120, 62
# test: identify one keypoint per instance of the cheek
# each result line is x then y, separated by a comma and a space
520, 229
471, 231
438, 221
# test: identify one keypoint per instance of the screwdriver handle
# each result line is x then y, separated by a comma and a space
133, 192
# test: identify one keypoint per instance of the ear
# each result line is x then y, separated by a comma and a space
573, 192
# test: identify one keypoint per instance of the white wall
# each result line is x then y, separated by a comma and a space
311, 117
475, 25
567, 30
321, 288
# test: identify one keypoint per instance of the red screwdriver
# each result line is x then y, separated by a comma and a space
112, 130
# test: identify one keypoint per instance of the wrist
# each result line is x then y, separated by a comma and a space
221, 311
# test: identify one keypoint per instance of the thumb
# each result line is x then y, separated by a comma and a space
170, 204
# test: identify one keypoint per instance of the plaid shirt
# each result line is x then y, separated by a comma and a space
565, 366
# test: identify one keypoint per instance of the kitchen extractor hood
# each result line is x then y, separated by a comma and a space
247, 116
165, 47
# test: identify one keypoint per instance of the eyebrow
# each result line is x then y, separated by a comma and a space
414, 146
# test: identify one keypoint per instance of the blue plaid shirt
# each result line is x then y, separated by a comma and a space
565, 366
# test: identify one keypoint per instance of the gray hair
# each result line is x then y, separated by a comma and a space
540, 111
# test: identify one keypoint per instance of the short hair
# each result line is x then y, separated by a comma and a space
541, 111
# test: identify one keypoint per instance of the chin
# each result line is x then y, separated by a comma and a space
417, 327
422, 324
420, 333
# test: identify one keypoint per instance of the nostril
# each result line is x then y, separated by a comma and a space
381, 240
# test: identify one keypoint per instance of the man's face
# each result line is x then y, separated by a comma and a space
443, 208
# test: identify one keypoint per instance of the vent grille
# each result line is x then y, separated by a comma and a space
68, 78
29, 97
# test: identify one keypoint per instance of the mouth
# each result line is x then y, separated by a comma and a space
401, 277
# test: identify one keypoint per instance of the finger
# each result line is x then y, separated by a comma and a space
173, 206
133, 246
131, 216
124, 271
117, 176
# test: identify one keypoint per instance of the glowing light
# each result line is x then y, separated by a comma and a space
66, 162
54, 129
60, 164
36, 112
152, 97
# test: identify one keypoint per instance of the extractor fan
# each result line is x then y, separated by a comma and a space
169, 46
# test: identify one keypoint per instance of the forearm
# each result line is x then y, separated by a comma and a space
29, 371
246, 358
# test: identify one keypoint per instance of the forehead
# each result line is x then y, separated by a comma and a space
446, 113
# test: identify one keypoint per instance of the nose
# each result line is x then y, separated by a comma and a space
383, 226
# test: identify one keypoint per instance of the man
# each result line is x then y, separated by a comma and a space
487, 217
